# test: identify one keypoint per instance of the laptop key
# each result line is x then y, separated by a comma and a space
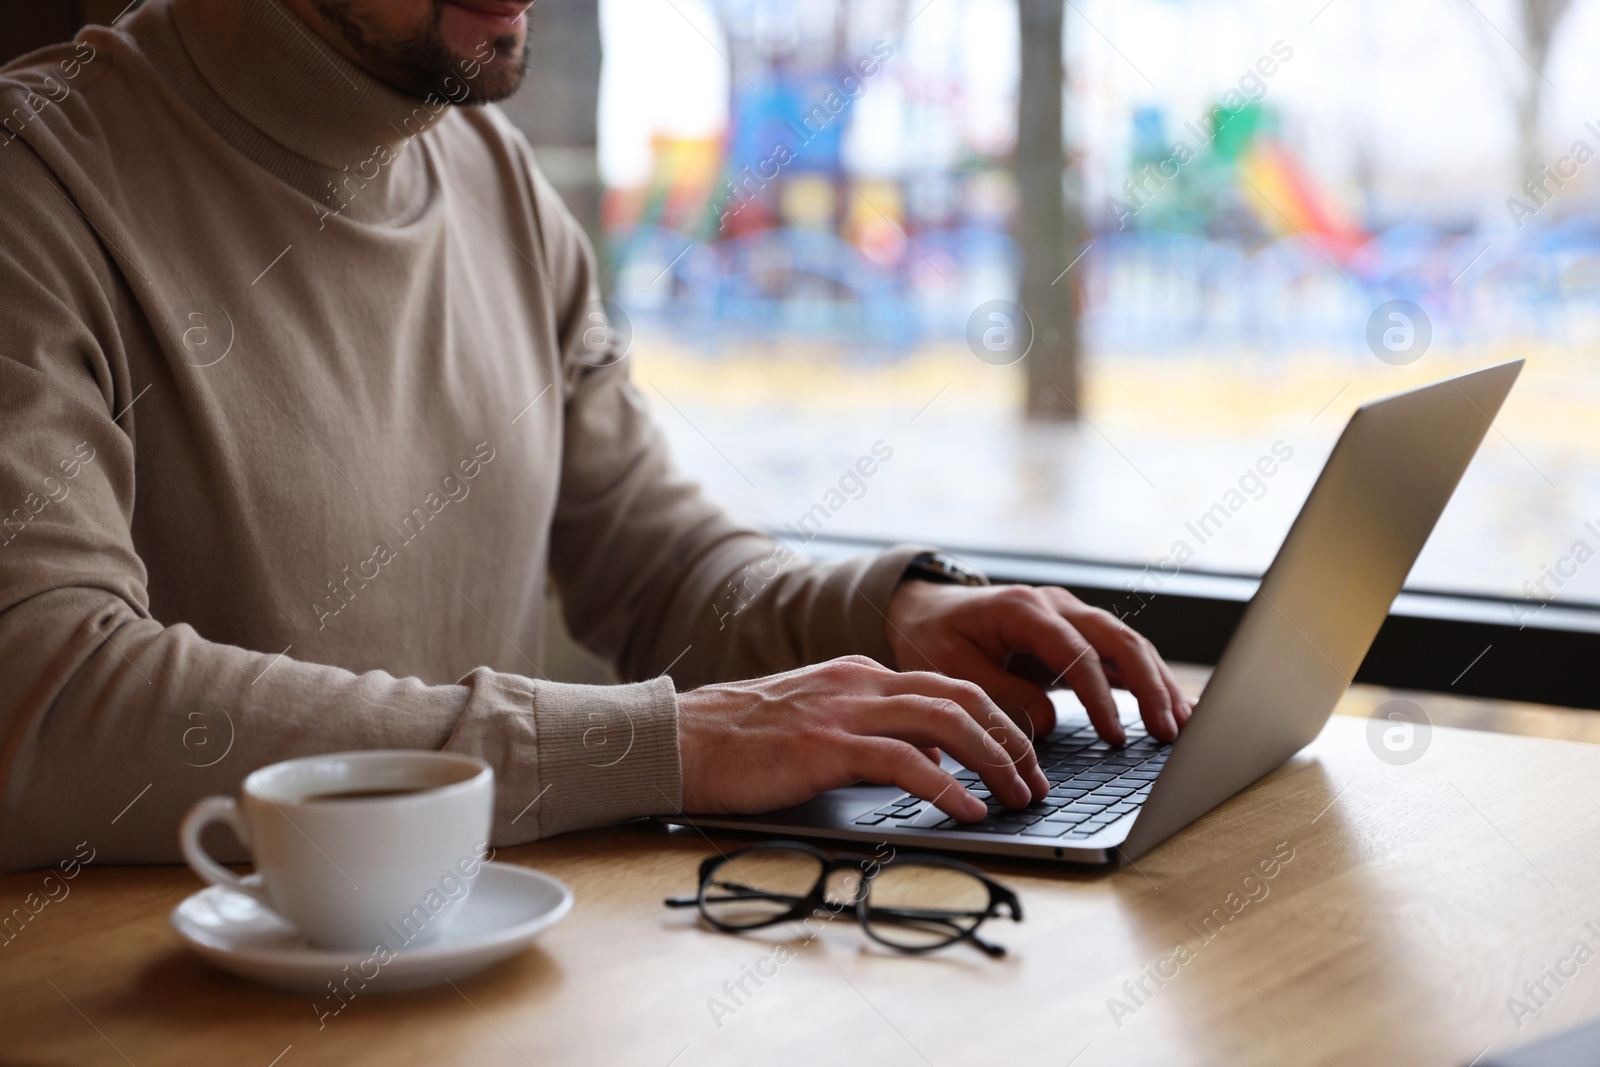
1021, 818
926, 819
871, 819
1066, 818
1045, 829
1083, 811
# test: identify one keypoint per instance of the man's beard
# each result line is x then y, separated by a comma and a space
423, 66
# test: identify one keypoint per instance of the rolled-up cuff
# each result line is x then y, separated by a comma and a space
873, 581
570, 757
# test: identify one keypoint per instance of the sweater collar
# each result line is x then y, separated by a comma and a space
272, 69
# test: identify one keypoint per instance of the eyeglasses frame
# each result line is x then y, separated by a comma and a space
1000, 897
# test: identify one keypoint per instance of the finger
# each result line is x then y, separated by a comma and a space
933, 754
920, 717
1025, 702
1182, 703
1031, 627
1000, 727
1135, 660
925, 719
1182, 706
890, 762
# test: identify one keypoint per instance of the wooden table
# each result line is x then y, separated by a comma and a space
1417, 902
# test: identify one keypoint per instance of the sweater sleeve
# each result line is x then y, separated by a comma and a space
112, 722
653, 575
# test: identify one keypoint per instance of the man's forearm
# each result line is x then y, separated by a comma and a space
114, 725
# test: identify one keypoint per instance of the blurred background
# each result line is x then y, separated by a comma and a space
805, 205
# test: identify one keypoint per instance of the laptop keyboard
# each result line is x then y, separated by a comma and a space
1092, 785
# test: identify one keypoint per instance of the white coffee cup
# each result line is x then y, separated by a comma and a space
352, 871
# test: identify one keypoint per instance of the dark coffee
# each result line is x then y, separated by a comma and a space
366, 794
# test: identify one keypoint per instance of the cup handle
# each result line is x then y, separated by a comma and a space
207, 811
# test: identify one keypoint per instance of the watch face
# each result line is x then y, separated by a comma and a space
936, 566
967, 576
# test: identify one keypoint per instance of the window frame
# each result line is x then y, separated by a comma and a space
1470, 645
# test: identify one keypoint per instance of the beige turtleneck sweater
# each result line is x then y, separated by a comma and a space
296, 415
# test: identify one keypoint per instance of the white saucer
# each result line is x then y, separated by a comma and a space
507, 908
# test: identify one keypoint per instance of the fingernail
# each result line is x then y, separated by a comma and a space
975, 808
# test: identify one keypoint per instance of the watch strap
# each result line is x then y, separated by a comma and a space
944, 569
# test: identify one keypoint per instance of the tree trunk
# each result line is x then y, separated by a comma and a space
557, 107
1046, 230
1539, 20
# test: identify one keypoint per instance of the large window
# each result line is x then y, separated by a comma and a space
1286, 209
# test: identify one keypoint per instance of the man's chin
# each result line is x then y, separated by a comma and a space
473, 27
486, 69
493, 81
467, 52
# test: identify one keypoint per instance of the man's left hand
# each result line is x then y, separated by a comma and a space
967, 632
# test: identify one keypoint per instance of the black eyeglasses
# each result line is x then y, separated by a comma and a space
912, 903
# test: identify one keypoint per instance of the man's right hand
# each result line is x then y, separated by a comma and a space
768, 743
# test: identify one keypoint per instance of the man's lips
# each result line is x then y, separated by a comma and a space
503, 14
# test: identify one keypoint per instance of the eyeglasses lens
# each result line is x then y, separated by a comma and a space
755, 887
915, 905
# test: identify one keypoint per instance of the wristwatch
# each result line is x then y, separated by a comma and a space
943, 569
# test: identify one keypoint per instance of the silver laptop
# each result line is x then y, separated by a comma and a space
1297, 646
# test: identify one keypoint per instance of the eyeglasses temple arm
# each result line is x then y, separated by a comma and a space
681, 902
989, 947
1003, 897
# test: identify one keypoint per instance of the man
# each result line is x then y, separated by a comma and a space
299, 405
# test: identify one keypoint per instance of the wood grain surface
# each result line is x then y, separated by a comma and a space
1342, 911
